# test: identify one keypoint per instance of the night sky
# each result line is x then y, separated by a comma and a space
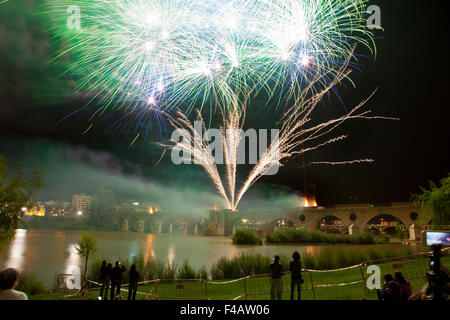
410, 71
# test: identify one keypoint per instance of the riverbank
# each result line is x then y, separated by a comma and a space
291, 235
48, 253
244, 265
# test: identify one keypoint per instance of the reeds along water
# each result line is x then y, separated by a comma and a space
246, 236
245, 264
30, 284
304, 236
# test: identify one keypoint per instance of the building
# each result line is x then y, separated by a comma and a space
36, 211
57, 208
81, 202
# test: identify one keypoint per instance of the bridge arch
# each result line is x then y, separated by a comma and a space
133, 223
357, 215
315, 222
283, 223
332, 224
387, 221
152, 225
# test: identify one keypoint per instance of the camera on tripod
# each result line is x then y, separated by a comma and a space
435, 258
437, 278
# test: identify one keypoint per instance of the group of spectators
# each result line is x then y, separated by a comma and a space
276, 283
395, 288
114, 277
111, 278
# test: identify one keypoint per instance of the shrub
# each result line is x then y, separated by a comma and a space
292, 235
363, 238
384, 239
308, 261
240, 266
94, 270
246, 236
170, 271
186, 271
248, 264
203, 273
326, 259
333, 259
5, 239
29, 284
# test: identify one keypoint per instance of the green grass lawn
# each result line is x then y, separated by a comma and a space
258, 288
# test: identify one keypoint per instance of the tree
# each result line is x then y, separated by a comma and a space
436, 201
125, 211
87, 246
400, 231
103, 209
16, 192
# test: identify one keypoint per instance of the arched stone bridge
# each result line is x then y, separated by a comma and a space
362, 214
355, 218
160, 223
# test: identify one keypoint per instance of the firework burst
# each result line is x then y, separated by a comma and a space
295, 133
135, 54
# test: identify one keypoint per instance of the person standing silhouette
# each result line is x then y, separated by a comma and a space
133, 285
116, 280
103, 270
276, 284
296, 275
107, 280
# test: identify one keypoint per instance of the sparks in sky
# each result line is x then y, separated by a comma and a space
298, 135
189, 54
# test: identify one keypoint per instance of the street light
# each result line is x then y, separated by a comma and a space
24, 209
79, 213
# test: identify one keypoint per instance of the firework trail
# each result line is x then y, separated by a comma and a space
295, 131
341, 163
232, 133
192, 143
135, 55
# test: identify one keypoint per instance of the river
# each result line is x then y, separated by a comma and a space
47, 253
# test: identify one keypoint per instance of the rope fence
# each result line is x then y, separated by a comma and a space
413, 267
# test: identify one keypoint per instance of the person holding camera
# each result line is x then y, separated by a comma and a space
116, 280
296, 275
391, 291
438, 279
